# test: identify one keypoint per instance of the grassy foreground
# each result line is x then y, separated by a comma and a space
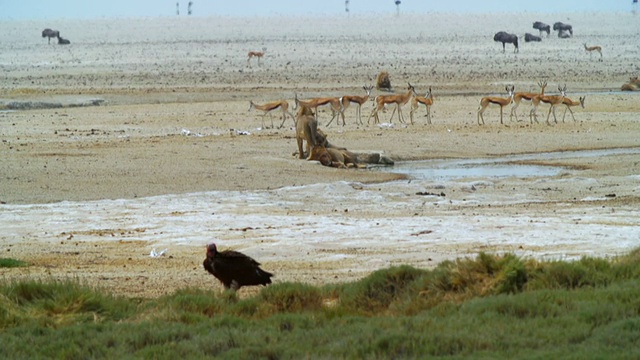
488, 307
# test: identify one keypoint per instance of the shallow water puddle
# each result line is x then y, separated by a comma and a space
499, 167
451, 170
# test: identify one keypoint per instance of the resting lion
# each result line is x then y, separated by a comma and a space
632, 85
383, 82
334, 157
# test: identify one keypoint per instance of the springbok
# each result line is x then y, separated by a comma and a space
569, 103
519, 96
333, 102
552, 100
426, 100
268, 107
358, 100
485, 101
258, 54
398, 99
591, 49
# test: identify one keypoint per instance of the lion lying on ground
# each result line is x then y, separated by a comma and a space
334, 157
632, 85
320, 149
343, 158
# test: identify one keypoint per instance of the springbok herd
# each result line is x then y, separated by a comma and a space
339, 105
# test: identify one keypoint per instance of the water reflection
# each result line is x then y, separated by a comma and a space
499, 167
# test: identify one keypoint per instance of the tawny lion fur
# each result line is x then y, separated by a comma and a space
338, 158
383, 82
306, 130
632, 85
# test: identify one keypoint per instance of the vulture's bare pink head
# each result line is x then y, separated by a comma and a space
211, 250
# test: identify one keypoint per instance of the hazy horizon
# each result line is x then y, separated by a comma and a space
82, 9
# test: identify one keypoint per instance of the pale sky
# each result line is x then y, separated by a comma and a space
84, 9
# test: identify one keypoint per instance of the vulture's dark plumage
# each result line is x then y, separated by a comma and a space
234, 269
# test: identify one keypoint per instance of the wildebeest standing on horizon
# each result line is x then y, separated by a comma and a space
50, 34
505, 37
540, 26
530, 37
562, 29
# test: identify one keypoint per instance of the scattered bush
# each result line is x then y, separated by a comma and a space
374, 294
290, 297
493, 306
11, 263
64, 302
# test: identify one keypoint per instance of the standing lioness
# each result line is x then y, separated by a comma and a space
306, 130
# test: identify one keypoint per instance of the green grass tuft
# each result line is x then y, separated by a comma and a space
290, 297
373, 294
492, 306
11, 263
60, 303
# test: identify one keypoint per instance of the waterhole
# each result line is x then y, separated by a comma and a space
495, 167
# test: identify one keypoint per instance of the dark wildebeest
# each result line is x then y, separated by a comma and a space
530, 37
63, 41
540, 26
562, 29
563, 34
50, 34
505, 37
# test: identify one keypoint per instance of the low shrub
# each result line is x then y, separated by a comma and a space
11, 263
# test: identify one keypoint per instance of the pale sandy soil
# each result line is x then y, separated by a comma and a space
88, 191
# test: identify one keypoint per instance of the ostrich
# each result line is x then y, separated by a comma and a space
530, 37
540, 26
562, 29
50, 34
189, 5
346, 6
177, 8
398, 2
505, 37
63, 41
